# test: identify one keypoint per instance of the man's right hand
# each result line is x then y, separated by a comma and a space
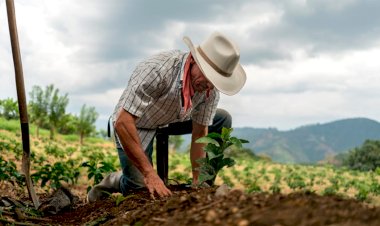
155, 185
125, 127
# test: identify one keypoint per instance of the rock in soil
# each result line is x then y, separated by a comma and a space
61, 199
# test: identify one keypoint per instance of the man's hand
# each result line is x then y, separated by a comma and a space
125, 127
155, 185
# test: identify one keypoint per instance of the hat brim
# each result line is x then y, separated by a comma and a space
228, 85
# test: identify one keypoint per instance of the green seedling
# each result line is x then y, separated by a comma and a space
215, 160
97, 169
120, 198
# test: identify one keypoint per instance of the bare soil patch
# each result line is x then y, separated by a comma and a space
201, 206
189, 206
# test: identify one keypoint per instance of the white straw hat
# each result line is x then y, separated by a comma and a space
218, 58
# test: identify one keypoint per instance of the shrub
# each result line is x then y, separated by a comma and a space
97, 169
56, 173
364, 158
8, 171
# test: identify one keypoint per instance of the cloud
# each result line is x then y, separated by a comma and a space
308, 89
307, 61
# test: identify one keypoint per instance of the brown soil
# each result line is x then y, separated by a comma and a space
188, 206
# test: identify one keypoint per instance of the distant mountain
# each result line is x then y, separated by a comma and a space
312, 143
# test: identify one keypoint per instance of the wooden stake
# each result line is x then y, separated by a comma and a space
21, 100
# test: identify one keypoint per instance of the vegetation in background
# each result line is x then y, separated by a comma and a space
9, 109
11, 125
175, 142
86, 121
38, 107
68, 124
47, 109
365, 158
57, 109
54, 162
57, 162
312, 143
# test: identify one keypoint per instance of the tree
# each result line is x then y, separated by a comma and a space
57, 109
68, 124
38, 106
47, 108
9, 109
366, 157
86, 122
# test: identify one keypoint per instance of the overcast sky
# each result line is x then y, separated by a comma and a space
307, 61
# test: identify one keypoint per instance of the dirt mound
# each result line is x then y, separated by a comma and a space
190, 206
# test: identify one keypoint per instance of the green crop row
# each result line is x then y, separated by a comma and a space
253, 175
58, 162
54, 163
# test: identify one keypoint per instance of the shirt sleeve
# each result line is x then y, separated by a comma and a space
143, 88
204, 112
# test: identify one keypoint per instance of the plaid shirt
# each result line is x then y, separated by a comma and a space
154, 94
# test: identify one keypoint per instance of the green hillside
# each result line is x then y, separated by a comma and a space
312, 143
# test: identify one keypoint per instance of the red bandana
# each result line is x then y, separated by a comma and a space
187, 88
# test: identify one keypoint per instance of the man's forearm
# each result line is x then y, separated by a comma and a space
126, 129
196, 149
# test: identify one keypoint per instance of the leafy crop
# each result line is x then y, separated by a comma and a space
96, 170
215, 160
56, 162
8, 171
295, 181
56, 173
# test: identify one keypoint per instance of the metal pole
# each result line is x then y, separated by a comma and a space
21, 100
162, 156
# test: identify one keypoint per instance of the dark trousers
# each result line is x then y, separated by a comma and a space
222, 119
133, 179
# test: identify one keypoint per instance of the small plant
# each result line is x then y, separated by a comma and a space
253, 185
377, 171
312, 180
120, 198
8, 171
374, 186
180, 178
56, 173
54, 150
275, 187
97, 169
363, 192
227, 181
330, 190
215, 160
39, 160
295, 181
70, 151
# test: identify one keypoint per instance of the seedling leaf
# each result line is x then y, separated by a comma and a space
207, 140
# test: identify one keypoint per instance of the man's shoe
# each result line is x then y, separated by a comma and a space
109, 184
